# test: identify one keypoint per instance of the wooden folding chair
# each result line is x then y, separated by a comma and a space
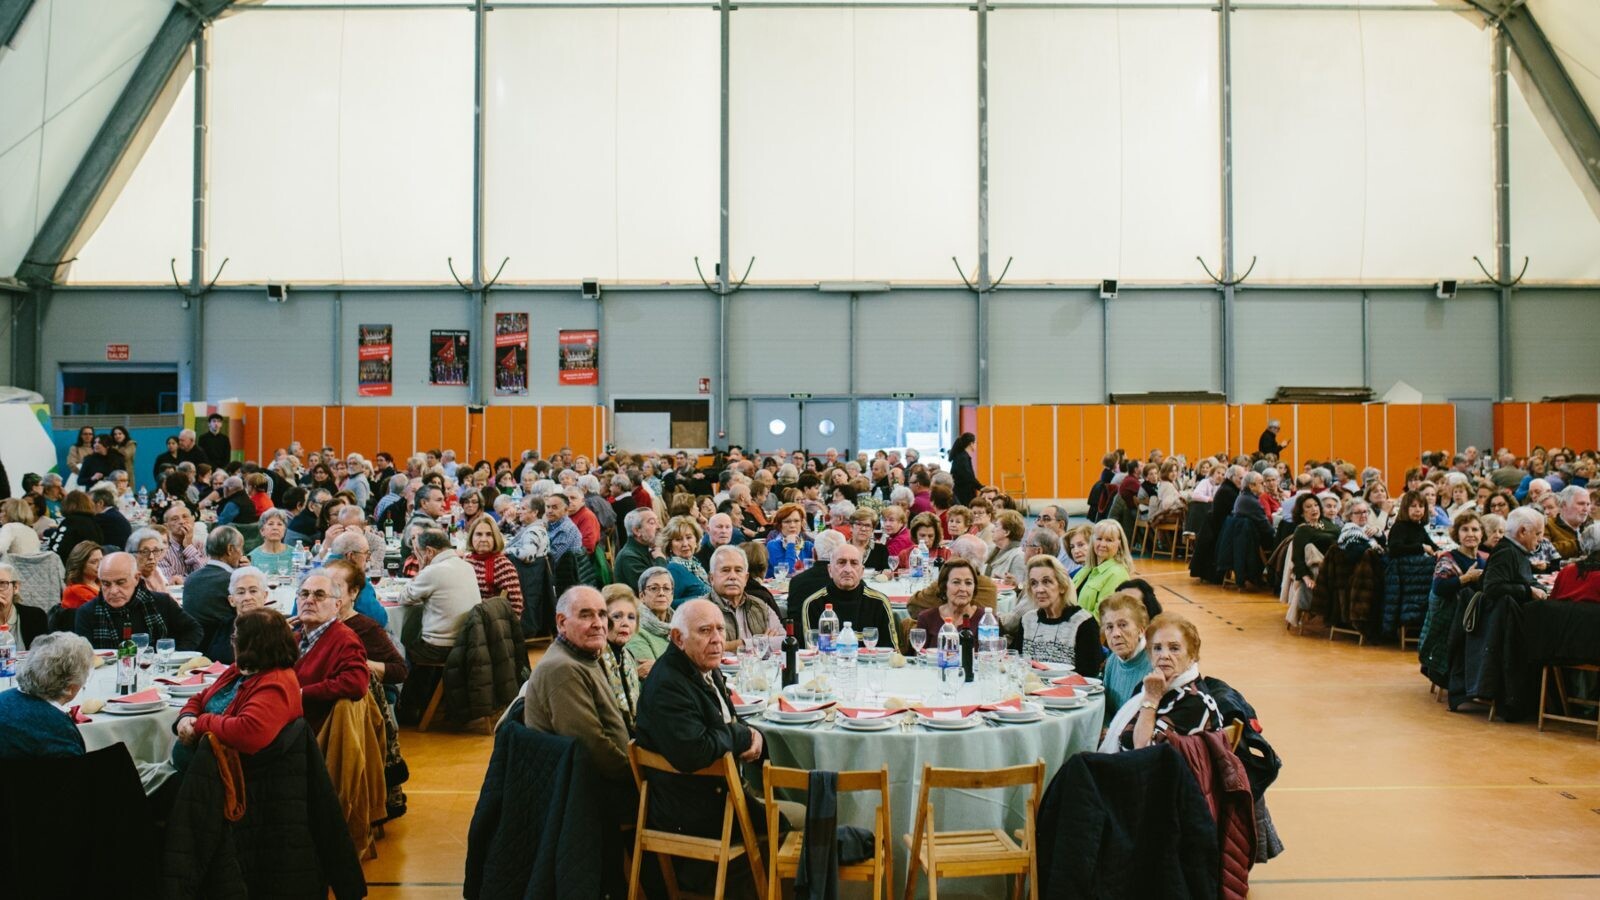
665, 844
1139, 541
783, 860
1173, 527
1015, 486
1545, 676
989, 851
436, 699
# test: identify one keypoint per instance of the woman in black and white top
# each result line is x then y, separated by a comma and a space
1174, 699
1057, 630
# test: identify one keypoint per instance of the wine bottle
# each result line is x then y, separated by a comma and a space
791, 647
127, 664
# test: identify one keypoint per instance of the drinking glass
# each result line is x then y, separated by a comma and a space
869, 636
875, 675
146, 659
141, 641
780, 572
165, 647
919, 636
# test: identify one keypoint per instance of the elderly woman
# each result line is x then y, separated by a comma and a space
1057, 630
619, 664
653, 635
55, 670
982, 519
1109, 565
254, 699
333, 663
383, 658
17, 534
83, 576
678, 541
863, 522
148, 546
1494, 528
273, 556
1381, 504
25, 622
1123, 617
1460, 569
487, 555
1006, 564
790, 548
1172, 699
1076, 542
958, 596
247, 590
1580, 580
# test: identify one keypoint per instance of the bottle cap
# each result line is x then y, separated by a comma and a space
828, 606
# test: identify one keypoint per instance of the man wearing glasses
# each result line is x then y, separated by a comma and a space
333, 663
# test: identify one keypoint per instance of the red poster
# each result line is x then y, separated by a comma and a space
580, 357
375, 361
511, 354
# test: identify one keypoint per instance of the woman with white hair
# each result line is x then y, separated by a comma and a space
54, 671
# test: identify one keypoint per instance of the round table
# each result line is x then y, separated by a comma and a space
987, 746
148, 736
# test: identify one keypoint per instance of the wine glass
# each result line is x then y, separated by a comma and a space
780, 572
146, 659
869, 636
141, 641
165, 647
919, 636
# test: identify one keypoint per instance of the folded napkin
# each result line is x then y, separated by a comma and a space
946, 712
1056, 692
191, 680
199, 662
78, 718
730, 660
853, 713
740, 701
786, 706
149, 695
1074, 679
216, 668
1047, 667
1014, 704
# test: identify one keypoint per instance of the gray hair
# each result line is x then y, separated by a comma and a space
1492, 523
1324, 474
618, 480
221, 538
346, 543
50, 479
1044, 539
8, 567
186, 433
543, 487
788, 472
944, 478
142, 535
244, 572
1371, 474
1570, 493
233, 484
431, 539
902, 494
1523, 518
589, 483
423, 494
680, 616
271, 514
55, 663
1270, 472
1589, 538
503, 501
844, 509
1538, 483
731, 550
104, 493
826, 543
635, 518
397, 483
564, 602
349, 514
653, 571
1249, 479
970, 548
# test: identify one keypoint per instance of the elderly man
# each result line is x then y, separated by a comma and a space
851, 599
189, 452
582, 517
564, 536
182, 557
427, 513
333, 663
815, 578
353, 547
1510, 570
126, 606
1267, 444
719, 533
114, 526
568, 693
745, 617
205, 594
446, 587
1569, 521
1507, 474
639, 552
390, 513
235, 506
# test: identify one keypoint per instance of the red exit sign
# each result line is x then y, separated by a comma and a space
116, 352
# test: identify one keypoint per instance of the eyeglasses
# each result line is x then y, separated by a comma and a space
151, 554
318, 596
9, 584
658, 589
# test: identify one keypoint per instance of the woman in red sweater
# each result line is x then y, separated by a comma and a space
1581, 580
495, 573
333, 663
254, 699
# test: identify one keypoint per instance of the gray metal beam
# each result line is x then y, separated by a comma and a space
1502, 206
1225, 81
1561, 96
478, 375
724, 180
12, 12
199, 221
985, 286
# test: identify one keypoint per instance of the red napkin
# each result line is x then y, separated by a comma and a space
730, 660
734, 696
78, 718
930, 710
786, 706
191, 680
1074, 679
148, 695
853, 713
1056, 692
216, 668
1014, 704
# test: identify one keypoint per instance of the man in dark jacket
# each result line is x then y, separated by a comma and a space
215, 444
1510, 569
125, 604
115, 529
638, 553
205, 593
1268, 443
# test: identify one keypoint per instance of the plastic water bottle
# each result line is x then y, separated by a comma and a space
848, 646
949, 659
827, 631
300, 560
144, 498
8, 647
919, 561
989, 650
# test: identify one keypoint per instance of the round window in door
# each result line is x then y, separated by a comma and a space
826, 426
777, 426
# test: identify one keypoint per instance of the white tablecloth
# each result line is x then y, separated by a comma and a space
830, 747
148, 735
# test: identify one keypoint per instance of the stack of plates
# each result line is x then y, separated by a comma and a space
134, 709
947, 724
801, 717
873, 723
1030, 712
750, 708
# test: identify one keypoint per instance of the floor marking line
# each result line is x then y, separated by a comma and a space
1437, 787
1588, 876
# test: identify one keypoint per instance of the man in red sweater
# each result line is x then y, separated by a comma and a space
333, 663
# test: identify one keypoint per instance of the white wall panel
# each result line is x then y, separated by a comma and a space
1044, 347
1167, 341
1443, 348
782, 341
1552, 222
919, 341
1296, 338
1552, 344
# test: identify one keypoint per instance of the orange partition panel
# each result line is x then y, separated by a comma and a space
983, 462
1039, 450
1314, 437
1377, 441
1404, 442
553, 429
396, 432
250, 430
277, 426
360, 425
497, 432
1096, 442
581, 430
477, 446
1253, 420
1157, 430
1213, 430
1129, 424
1347, 427
429, 433
1516, 428
1439, 427
524, 430
1580, 426
308, 426
1544, 425
1007, 445
453, 434
1069, 452
1186, 432
333, 429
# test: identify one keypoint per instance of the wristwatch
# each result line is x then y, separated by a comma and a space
1146, 704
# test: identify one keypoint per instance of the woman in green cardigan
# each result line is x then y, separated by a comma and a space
1109, 565
655, 596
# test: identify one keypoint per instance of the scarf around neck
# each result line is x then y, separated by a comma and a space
1130, 709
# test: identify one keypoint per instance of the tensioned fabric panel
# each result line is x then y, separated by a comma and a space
1360, 147
1103, 142
1552, 222
601, 146
342, 145
66, 67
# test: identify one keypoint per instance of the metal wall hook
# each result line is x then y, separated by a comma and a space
187, 292
963, 275
1227, 284
451, 262
732, 289
1503, 285
992, 285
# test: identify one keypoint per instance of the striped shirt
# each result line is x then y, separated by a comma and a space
180, 561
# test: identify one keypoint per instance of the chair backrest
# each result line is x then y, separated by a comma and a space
734, 808
43, 578
1030, 775
774, 778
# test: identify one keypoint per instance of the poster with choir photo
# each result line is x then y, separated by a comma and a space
580, 357
375, 360
511, 354
447, 358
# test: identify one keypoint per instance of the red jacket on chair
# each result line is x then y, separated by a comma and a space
334, 669
265, 703
1226, 788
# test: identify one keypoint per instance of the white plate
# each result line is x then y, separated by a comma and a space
1015, 718
1072, 702
795, 718
186, 690
797, 695
134, 709
745, 709
1030, 710
182, 656
876, 723
948, 724
1092, 683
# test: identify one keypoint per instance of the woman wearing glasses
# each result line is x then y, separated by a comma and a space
148, 545
25, 622
650, 641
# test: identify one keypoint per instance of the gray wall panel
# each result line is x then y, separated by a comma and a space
1443, 348
1274, 347
782, 341
413, 315
1553, 343
918, 341
658, 343
154, 325
271, 353
1045, 347
1167, 341
549, 313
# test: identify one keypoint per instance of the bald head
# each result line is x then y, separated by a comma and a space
845, 566
698, 630
119, 576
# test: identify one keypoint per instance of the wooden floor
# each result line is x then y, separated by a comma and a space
1383, 792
